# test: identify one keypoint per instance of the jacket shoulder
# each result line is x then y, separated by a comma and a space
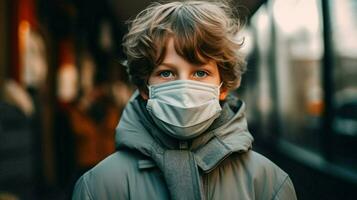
268, 180
263, 166
108, 179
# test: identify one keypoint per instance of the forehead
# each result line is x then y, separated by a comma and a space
173, 59
172, 46
170, 51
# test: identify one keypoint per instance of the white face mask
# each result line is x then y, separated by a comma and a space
184, 108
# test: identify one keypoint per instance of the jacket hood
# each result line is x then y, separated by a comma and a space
227, 134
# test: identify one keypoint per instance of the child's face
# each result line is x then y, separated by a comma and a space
174, 67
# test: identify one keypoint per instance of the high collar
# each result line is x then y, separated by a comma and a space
228, 134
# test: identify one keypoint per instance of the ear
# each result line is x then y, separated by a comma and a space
144, 94
223, 93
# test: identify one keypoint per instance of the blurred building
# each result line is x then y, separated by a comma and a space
301, 92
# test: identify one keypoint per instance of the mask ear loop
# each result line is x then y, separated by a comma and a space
149, 90
219, 89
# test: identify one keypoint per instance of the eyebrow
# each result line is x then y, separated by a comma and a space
168, 64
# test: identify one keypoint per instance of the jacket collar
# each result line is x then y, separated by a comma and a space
228, 134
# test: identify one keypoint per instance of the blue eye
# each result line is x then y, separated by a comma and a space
200, 74
165, 74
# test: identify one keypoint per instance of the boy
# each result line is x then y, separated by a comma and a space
180, 136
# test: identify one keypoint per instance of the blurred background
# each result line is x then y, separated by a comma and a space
63, 87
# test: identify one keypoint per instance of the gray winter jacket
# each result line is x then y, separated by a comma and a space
218, 164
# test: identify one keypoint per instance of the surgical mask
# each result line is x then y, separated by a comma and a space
184, 108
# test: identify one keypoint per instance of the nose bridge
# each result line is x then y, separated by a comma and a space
184, 72
183, 76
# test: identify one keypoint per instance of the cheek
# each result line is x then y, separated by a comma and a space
217, 77
152, 79
215, 80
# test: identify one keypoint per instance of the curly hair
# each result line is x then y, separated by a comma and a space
202, 31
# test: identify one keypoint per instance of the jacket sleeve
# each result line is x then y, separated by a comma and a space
286, 191
81, 191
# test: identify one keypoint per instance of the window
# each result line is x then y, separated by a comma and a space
344, 40
299, 51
